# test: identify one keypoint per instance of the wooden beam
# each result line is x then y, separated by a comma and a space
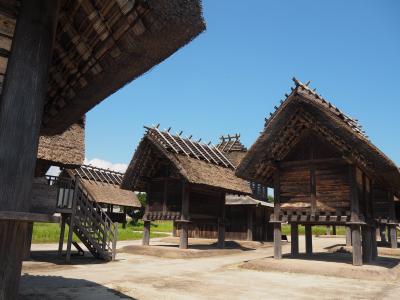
277, 224
221, 223
146, 233
374, 244
72, 220
306, 163
184, 239
294, 233
356, 241
21, 109
249, 223
393, 236
348, 236
62, 233
354, 194
308, 233
366, 244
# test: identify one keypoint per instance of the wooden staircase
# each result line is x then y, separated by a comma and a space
87, 220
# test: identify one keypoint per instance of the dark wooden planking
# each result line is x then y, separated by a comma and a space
356, 242
308, 236
294, 233
21, 108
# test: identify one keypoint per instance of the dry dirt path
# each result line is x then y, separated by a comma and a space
148, 277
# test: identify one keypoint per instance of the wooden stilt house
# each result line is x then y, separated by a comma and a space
59, 59
247, 217
185, 181
324, 170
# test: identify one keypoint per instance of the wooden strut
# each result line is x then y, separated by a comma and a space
21, 109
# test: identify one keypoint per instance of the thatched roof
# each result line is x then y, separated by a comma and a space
64, 150
102, 45
245, 200
195, 162
103, 186
305, 110
233, 148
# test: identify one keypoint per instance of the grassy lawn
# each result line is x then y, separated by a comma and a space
317, 230
50, 232
159, 226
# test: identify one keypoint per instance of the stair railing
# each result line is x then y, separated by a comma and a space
95, 222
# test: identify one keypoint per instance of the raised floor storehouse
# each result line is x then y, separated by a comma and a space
185, 181
324, 170
59, 59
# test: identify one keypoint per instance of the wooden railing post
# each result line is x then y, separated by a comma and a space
72, 220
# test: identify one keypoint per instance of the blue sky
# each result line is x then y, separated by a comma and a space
230, 77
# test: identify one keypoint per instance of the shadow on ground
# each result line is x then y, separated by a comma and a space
57, 287
51, 256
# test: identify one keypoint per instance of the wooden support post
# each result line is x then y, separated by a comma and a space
21, 108
277, 241
356, 241
348, 236
114, 241
62, 234
276, 222
294, 233
28, 242
184, 234
221, 223
308, 233
382, 229
146, 233
393, 236
334, 229
174, 229
72, 220
374, 245
366, 244
249, 223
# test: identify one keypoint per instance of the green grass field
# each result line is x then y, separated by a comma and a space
317, 230
50, 232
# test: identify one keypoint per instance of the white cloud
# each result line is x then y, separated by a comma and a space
118, 167
53, 171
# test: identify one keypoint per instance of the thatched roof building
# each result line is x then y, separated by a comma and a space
103, 186
64, 150
197, 163
99, 47
324, 170
303, 110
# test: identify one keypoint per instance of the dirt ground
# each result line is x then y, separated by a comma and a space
244, 271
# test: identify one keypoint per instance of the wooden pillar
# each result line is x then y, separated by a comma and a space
146, 233
334, 229
174, 229
249, 223
221, 223
114, 241
374, 245
393, 236
308, 233
356, 241
294, 233
348, 236
366, 244
277, 241
382, 229
276, 222
72, 220
21, 108
28, 241
62, 233
184, 238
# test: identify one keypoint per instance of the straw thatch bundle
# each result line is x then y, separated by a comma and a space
102, 45
153, 151
64, 150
